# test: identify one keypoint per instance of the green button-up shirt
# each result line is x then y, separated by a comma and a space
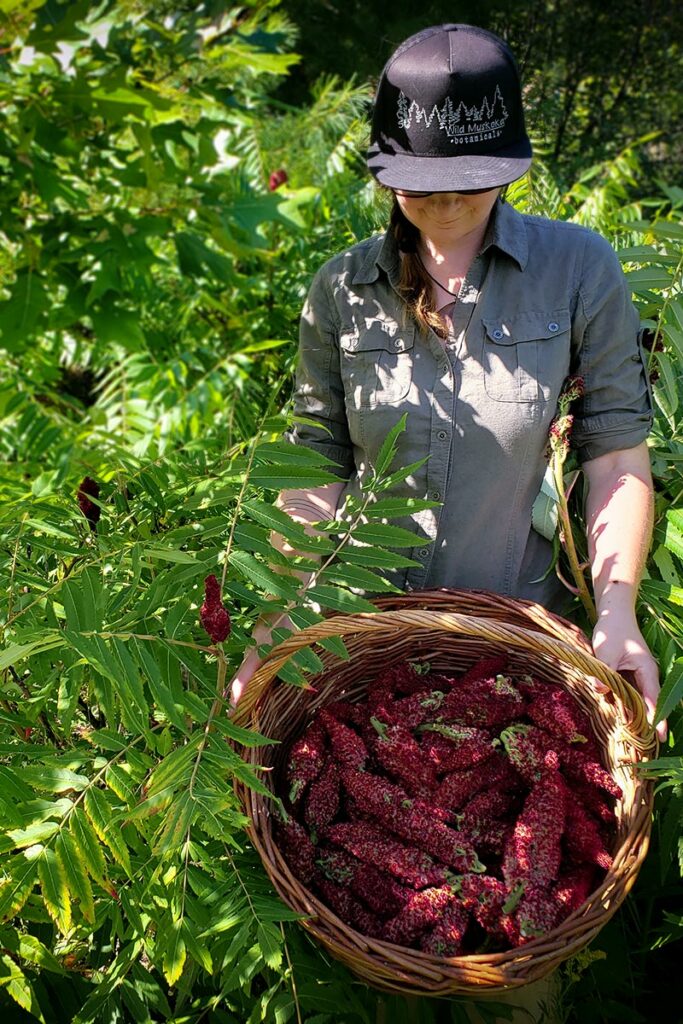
542, 300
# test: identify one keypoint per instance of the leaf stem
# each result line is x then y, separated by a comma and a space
567, 538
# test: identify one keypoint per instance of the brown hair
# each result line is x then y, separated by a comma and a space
414, 283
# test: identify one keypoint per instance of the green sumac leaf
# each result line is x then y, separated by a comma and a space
175, 952
670, 828
386, 534
15, 653
388, 508
669, 381
75, 872
12, 784
665, 563
170, 555
307, 660
38, 832
375, 557
120, 782
21, 876
17, 985
400, 475
175, 769
196, 947
673, 536
54, 889
31, 949
387, 451
176, 822
83, 600
270, 942
544, 511
671, 693
357, 576
52, 779
298, 454
278, 478
252, 537
247, 737
275, 519
674, 335
101, 815
339, 600
153, 674
302, 617
667, 229
649, 277
654, 590
261, 575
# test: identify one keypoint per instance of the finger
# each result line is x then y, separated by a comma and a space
646, 679
236, 690
597, 684
243, 675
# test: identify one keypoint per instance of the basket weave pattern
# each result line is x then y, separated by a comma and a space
450, 630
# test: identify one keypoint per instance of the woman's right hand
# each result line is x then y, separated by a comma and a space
262, 634
241, 678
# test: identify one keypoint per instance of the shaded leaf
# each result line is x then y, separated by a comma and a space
17, 985
671, 693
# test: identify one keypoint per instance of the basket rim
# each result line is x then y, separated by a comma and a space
641, 733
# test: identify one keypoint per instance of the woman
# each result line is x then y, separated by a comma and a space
469, 317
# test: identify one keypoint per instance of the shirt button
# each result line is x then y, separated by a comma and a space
497, 334
435, 495
423, 552
442, 435
444, 367
398, 344
552, 326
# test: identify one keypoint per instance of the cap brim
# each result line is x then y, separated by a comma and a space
449, 173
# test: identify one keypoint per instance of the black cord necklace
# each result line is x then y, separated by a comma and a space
447, 290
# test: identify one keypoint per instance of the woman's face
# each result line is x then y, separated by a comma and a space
448, 216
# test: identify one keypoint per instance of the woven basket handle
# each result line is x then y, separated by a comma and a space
638, 729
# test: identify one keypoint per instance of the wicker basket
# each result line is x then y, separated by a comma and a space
451, 630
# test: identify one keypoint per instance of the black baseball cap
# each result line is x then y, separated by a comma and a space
448, 113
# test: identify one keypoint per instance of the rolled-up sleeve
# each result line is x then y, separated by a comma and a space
616, 410
318, 392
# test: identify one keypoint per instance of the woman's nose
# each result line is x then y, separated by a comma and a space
444, 199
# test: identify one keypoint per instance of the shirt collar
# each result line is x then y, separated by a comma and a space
506, 230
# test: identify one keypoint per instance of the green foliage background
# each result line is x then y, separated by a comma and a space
150, 287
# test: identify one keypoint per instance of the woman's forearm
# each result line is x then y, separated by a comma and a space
619, 521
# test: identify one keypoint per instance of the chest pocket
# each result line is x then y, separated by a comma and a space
526, 357
377, 363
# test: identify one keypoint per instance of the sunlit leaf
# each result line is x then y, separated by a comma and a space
54, 889
75, 873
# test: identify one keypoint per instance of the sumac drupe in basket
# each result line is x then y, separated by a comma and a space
450, 812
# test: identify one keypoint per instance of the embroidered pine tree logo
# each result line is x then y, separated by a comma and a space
460, 123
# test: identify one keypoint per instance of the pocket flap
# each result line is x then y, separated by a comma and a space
527, 327
385, 335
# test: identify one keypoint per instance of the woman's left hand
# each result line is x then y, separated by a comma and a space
618, 642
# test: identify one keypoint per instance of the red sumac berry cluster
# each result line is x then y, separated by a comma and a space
450, 813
